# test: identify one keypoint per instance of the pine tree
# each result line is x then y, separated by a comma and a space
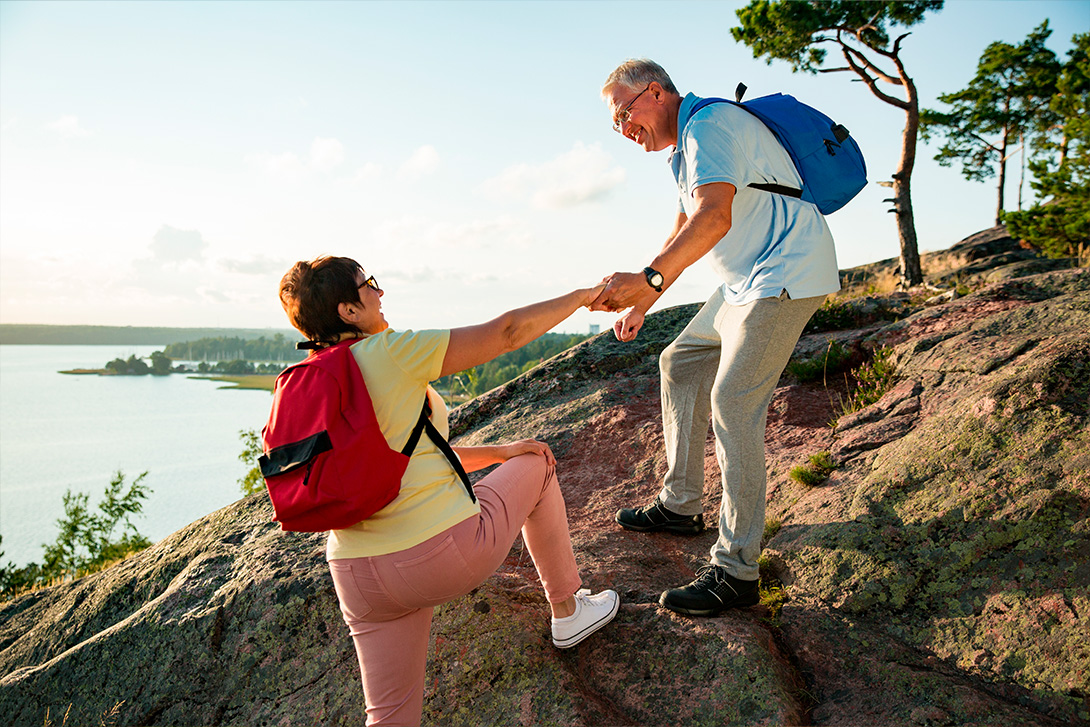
1004, 105
1060, 225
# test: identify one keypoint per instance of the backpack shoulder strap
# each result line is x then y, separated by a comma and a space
774, 188
423, 424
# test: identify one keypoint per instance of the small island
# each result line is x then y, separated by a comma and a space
161, 365
239, 374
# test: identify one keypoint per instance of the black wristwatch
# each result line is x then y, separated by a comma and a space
654, 278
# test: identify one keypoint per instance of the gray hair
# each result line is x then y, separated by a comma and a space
637, 73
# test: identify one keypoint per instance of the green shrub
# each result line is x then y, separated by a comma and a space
252, 481
816, 471
871, 381
832, 361
834, 314
87, 542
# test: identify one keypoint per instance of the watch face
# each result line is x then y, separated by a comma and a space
656, 279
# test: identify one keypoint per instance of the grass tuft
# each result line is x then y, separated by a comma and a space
814, 472
772, 526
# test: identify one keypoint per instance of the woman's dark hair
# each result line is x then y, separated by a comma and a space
311, 291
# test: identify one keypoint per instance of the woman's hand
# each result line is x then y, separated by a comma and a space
527, 446
592, 294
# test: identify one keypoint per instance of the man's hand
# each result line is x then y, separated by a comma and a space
628, 325
623, 290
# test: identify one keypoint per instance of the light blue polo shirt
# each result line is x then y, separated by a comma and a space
775, 242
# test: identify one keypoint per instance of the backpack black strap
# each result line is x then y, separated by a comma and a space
424, 424
777, 189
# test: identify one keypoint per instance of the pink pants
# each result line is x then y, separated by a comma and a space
387, 600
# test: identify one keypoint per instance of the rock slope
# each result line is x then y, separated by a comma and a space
939, 576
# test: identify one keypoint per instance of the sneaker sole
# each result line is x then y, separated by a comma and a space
592, 629
675, 529
707, 611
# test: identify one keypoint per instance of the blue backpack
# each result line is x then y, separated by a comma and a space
826, 157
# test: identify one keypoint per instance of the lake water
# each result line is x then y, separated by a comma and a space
60, 432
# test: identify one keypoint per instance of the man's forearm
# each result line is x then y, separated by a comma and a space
700, 233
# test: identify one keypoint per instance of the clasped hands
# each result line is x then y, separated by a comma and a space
621, 291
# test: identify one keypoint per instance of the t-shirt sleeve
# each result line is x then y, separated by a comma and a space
713, 155
418, 353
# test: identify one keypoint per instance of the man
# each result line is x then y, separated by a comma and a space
775, 256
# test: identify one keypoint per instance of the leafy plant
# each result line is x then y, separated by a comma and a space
816, 471
87, 542
772, 597
770, 591
252, 481
819, 367
871, 381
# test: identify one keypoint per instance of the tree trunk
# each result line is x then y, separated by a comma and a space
911, 274
1002, 176
1022, 176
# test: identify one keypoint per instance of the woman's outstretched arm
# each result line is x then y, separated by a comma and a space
474, 345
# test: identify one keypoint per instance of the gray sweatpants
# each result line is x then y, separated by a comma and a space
726, 363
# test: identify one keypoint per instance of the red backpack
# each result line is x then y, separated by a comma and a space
327, 464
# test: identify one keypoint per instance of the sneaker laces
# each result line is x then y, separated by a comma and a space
708, 577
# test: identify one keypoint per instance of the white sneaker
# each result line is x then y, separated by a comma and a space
591, 614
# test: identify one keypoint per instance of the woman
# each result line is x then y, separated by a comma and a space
433, 543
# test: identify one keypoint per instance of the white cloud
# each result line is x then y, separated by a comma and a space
584, 174
69, 128
280, 165
424, 161
255, 265
326, 154
416, 237
368, 172
171, 245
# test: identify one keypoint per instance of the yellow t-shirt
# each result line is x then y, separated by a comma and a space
397, 366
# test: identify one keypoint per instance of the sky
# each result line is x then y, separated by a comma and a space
164, 163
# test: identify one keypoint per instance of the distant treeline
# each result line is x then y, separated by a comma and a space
237, 348
502, 369
35, 334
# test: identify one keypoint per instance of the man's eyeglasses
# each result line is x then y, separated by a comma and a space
625, 113
370, 283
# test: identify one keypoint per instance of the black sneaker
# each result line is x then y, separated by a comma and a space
656, 517
713, 591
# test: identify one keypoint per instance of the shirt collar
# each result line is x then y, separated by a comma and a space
682, 116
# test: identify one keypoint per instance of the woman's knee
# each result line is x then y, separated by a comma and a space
530, 466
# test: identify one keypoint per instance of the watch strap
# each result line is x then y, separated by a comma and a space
649, 273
